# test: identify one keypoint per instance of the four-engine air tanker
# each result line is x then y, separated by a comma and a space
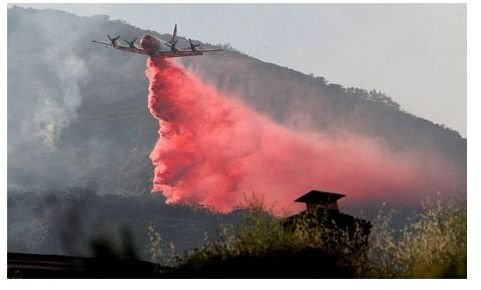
151, 46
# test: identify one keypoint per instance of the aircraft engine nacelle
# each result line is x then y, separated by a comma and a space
150, 44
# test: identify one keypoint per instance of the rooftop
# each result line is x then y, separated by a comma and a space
322, 197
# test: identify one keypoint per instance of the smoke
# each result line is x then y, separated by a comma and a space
214, 150
51, 108
65, 125
44, 80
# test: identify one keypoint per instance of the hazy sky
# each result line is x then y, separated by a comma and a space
414, 53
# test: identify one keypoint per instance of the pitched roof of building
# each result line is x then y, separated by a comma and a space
323, 197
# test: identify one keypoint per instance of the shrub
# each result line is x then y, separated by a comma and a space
431, 245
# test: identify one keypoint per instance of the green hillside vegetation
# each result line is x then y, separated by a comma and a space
75, 221
80, 111
431, 245
105, 136
194, 242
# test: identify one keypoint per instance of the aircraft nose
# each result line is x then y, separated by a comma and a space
149, 44
144, 40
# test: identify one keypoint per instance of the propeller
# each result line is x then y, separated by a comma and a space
113, 40
193, 46
172, 45
131, 43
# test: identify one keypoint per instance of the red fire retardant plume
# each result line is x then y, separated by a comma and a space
214, 150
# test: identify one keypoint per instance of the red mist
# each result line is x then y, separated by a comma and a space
214, 150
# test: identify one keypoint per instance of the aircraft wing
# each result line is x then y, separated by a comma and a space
176, 53
102, 42
165, 42
121, 47
183, 52
209, 49
131, 49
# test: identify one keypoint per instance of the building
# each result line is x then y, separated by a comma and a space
322, 210
316, 200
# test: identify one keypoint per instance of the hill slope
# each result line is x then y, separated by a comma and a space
77, 116
79, 110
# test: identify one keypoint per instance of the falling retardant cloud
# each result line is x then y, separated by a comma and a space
214, 150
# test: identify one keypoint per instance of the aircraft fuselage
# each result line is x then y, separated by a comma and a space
150, 44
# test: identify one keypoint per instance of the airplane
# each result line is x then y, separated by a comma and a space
151, 46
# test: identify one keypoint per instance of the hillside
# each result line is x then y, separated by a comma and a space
95, 99
77, 113
79, 222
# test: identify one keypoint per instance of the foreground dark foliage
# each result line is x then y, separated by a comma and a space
432, 245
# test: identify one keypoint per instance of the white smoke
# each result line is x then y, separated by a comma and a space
55, 107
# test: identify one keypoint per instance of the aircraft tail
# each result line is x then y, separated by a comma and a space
173, 39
